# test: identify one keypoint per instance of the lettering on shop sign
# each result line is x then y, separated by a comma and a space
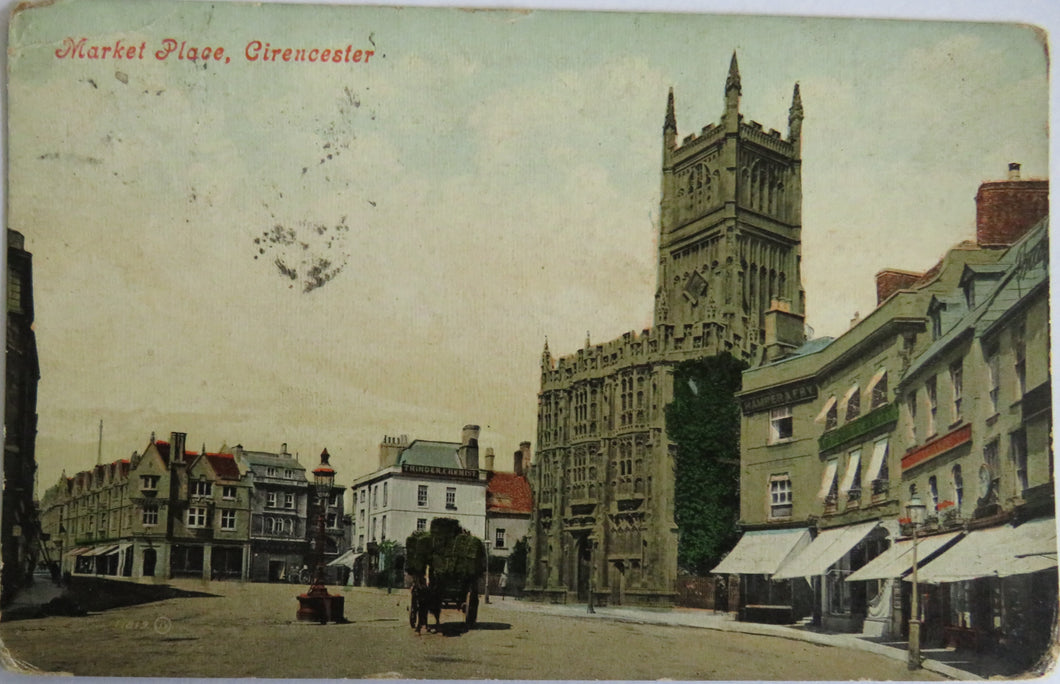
782, 397
458, 473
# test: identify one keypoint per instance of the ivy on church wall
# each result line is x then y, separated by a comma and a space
703, 421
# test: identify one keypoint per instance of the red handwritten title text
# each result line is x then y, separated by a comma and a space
172, 49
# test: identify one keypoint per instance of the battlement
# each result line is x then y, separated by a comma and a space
634, 348
772, 139
693, 142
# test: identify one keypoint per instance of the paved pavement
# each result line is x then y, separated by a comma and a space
944, 661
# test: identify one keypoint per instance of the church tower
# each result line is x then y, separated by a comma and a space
730, 227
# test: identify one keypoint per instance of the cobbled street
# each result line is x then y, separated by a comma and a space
249, 630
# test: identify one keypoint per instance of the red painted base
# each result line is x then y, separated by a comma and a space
317, 605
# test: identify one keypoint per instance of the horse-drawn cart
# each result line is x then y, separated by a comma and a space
446, 565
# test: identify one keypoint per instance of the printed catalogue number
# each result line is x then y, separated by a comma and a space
175, 50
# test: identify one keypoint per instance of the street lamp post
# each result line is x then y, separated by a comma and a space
487, 597
915, 510
592, 571
317, 604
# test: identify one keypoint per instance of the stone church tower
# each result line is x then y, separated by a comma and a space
729, 281
730, 226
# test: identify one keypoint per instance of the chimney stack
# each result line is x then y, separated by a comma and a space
489, 459
1006, 210
176, 446
522, 459
390, 449
890, 280
784, 331
468, 451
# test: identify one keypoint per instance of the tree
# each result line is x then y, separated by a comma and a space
703, 421
517, 558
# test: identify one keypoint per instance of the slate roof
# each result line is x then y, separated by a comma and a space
428, 453
1015, 285
508, 493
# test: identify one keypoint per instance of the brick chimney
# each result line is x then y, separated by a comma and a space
890, 280
1006, 209
522, 459
468, 451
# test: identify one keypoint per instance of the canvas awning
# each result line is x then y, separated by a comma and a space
875, 379
996, 552
347, 559
824, 411
824, 551
761, 552
827, 478
879, 453
101, 550
853, 468
78, 551
898, 559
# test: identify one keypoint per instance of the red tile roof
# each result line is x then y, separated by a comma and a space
224, 465
508, 493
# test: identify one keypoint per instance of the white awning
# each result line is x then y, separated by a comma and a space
824, 411
879, 453
347, 559
898, 559
78, 551
853, 466
846, 397
824, 551
828, 479
761, 552
875, 379
996, 552
101, 550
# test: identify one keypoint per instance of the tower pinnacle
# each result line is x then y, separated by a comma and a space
733, 81
671, 118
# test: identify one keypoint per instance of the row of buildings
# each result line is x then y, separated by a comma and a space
241, 514
171, 512
941, 395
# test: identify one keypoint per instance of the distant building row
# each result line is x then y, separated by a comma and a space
170, 512
942, 394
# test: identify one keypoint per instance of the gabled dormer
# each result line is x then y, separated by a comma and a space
944, 311
977, 280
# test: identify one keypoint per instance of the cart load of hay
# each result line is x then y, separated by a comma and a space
447, 550
446, 564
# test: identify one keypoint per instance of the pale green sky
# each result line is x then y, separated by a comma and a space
493, 179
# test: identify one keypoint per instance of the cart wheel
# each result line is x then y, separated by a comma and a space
472, 609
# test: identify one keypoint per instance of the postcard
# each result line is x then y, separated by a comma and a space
352, 341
